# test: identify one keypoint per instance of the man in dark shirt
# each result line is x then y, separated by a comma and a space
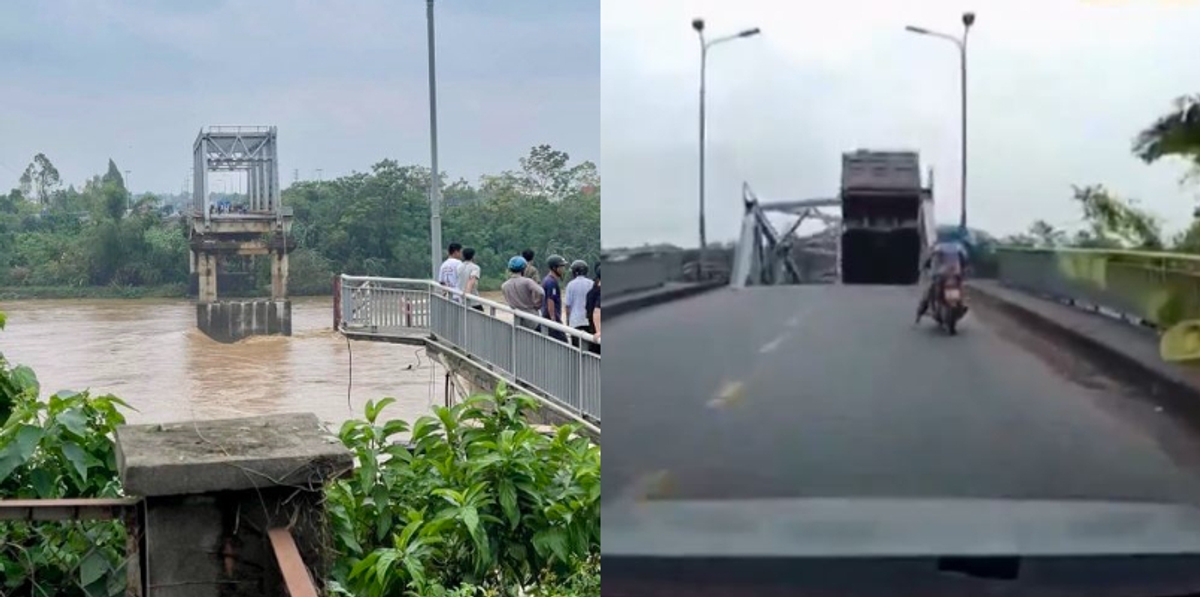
552, 307
593, 311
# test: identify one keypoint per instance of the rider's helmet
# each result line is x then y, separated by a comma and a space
517, 264
554, 262
579, 267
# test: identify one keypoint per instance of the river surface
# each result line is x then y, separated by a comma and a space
150, 354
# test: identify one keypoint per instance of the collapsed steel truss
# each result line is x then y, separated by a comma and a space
765, 256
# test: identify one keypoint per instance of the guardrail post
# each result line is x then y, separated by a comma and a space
337, 302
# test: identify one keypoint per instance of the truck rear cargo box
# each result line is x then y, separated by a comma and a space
881, 204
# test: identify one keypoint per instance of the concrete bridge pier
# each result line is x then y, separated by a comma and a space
257, 224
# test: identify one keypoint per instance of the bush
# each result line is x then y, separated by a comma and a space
61, 448
478, 498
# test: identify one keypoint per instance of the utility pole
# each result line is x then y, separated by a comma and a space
435, 192
129, 189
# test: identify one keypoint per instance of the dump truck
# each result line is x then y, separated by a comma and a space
887, 221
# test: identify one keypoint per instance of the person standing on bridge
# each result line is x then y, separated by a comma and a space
523, 293
576, 298
448, 272
552, 309
531, 270
468, 278
593, 311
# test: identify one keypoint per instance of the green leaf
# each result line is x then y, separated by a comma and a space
551, 541
374, 408
27, 440
92, 568
43, 482
393, 427
508, 502
26, 380
10, 460
77, 456
470, 517
3, 319
74, 420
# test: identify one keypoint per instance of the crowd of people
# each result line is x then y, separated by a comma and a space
575, 305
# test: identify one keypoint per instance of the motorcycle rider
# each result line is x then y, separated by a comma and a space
945, 259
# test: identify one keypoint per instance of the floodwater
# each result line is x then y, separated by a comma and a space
150, 354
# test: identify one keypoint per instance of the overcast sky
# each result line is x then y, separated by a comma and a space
1057, 89
345, 82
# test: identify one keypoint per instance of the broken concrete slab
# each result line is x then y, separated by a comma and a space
228, 454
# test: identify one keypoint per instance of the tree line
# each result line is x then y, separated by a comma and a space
1113, 222
370, 223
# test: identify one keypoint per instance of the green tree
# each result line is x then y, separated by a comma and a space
1176, 133
1115, 222
40, 179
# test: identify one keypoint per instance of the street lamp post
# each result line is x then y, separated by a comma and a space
968, 19
128, 190
435, 191
698, 25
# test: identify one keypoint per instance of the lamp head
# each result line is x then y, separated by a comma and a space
968, 19
698, 25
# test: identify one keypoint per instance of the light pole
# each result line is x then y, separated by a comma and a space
698, 25
435, 192
968, 19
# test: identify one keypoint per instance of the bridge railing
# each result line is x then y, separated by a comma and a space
512, 344
1160, 289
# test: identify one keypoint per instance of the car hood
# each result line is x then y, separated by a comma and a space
905, 527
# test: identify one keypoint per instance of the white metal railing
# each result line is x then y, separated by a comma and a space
515, 345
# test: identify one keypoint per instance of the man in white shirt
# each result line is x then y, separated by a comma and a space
468, 276
576, 297
448, 272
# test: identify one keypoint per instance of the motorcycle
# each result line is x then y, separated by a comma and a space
949, 307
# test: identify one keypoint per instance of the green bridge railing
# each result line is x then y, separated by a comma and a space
1160, 289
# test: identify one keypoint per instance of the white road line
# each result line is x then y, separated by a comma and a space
772, 345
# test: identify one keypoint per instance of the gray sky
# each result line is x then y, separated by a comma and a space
136, 79
1057, 89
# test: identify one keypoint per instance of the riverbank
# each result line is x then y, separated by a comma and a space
489, 288
20, 293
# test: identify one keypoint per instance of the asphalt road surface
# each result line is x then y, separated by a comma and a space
832, 391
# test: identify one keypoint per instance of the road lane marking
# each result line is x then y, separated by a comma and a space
772, 345
730, 394
650, 486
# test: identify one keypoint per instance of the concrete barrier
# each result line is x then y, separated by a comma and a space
631, 273
212, 490
628, 303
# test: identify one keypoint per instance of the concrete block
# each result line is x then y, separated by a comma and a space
229, 454
230, 321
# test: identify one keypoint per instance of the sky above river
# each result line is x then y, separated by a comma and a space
1057, 91
345, 82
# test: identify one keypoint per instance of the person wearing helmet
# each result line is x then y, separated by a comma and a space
552, 307
522, 293
576, 296
593, 310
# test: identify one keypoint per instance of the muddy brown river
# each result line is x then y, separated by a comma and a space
149, 353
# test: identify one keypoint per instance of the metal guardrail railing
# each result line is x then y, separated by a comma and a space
93, 545
513, 345
1160, 289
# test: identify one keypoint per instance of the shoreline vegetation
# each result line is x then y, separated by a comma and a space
98, 240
